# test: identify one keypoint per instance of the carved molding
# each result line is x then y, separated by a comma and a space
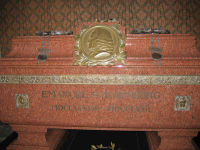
95, 79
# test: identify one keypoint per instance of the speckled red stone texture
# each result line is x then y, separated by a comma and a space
180, 57
36, 138
171, 139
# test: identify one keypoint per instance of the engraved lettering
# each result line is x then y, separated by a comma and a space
122, 95
52, 93
79, 94
75, 108
128, 108
98, 108
64, 94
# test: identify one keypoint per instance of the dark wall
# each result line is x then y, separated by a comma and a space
25, 17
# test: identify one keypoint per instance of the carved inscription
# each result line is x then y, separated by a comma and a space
103, 95
97, 108
106, 95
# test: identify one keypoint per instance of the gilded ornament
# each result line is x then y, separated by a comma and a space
182, 103
100, 45
97, 79
22, 101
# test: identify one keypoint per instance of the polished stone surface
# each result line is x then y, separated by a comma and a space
172, 110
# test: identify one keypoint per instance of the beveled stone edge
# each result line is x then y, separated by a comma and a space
94, 79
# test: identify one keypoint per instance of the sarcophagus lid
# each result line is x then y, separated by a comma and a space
104, 44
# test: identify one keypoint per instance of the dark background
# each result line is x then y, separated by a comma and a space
25, 17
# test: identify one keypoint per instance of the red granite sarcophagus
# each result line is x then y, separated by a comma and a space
125, 87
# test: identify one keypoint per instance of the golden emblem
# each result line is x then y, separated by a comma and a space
182, 103
100, 45
22, 101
